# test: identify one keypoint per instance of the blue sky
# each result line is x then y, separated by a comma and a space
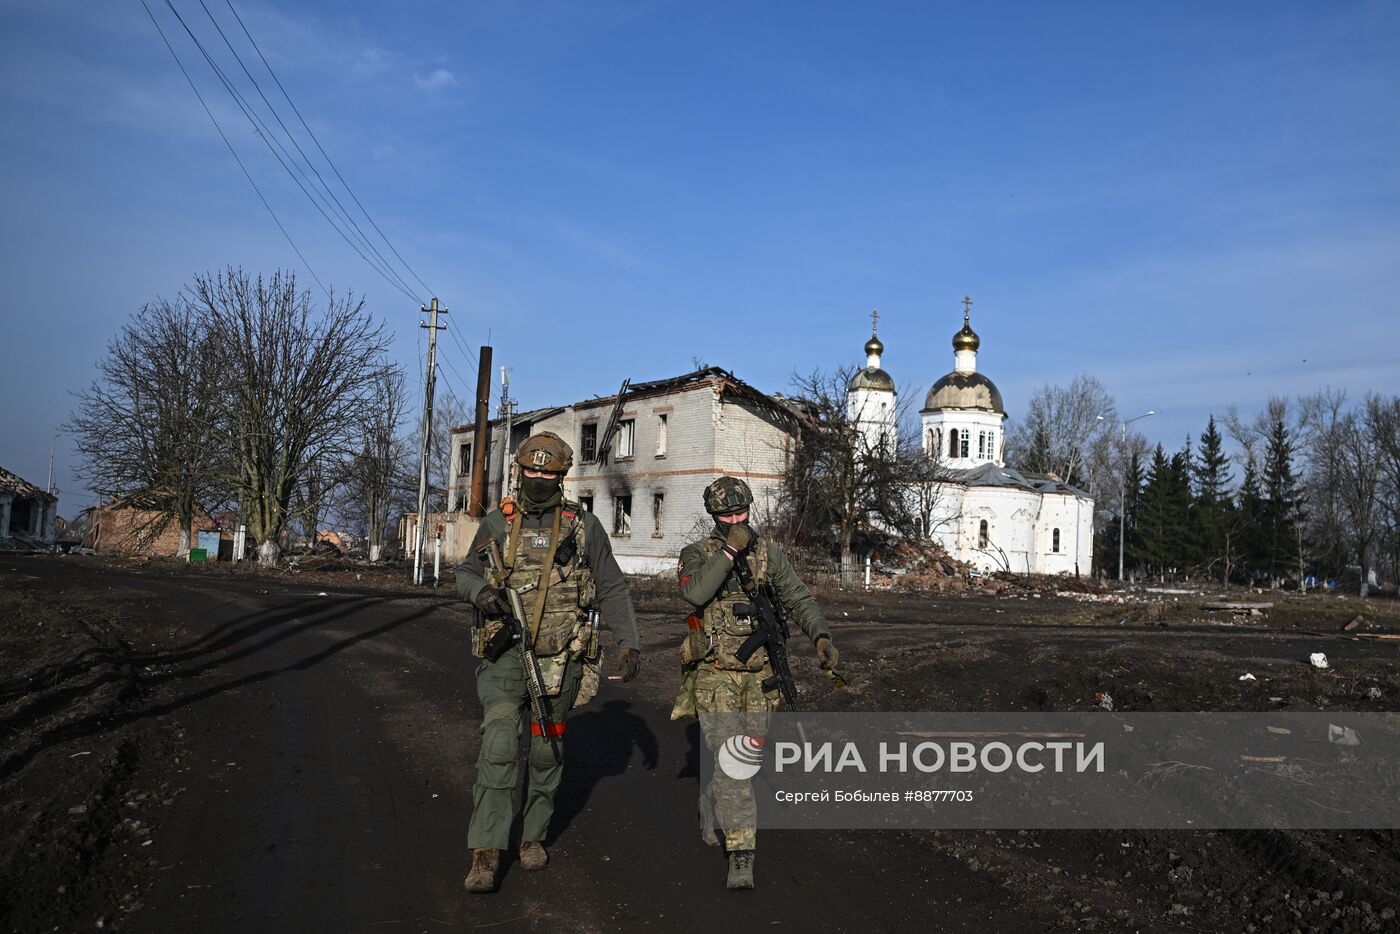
1187, 201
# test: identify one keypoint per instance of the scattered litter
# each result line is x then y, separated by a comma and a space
1280, 730
1373, 692
147, 842
1318, 660
1355, 622
323, 594
1276, 700
1103, 700
1273, 759
85, 752
1248, 677
1342, 735
78, 809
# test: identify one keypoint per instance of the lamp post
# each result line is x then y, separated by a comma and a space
1123, 487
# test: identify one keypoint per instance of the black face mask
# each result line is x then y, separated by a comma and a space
540, 492
722, 528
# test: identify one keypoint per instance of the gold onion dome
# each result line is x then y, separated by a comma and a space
873, 346
966, 339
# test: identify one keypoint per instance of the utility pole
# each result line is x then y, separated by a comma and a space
481, 435
419, 531
507, 410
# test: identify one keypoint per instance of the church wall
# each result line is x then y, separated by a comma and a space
944, 420
1010, 515
1064, 511
873, 412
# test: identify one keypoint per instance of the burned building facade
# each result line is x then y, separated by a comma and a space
643, 457
27, 513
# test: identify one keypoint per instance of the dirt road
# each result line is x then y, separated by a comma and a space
277, 755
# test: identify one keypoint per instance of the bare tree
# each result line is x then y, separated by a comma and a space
299, 382
146, 429
1060, 430
1386, 419
839, 486
379, 477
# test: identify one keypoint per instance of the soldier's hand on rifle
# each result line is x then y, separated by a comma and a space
827, 656
739, 538
629, 664
492, 601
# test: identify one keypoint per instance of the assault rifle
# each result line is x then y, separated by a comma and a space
517, 633
770, 633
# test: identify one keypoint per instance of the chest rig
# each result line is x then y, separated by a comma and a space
558, 593
728, 620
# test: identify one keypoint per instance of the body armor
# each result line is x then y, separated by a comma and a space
727, 620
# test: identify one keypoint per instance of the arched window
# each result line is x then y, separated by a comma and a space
1055, 541
964, 441
935, 442
981, 445
982, 536
952, 442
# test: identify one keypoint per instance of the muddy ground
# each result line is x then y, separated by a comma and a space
209, 749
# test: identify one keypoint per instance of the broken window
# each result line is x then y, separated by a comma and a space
658, 506
952, 442
586, 501
627, 438
464, 459
661, 435
982, 537
622, 514
1055, 541
588, 442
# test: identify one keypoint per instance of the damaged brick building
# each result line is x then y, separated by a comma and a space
643, 457
27, 513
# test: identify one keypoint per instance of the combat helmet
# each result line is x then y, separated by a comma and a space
727, 494
545, 451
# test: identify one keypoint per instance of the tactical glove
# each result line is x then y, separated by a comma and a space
629, 664
827, 656
492, 602
740, 537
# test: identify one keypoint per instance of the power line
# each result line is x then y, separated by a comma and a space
233, 152
265, 134
342, 212
317, 141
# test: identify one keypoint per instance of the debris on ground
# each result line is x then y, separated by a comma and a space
1318, 660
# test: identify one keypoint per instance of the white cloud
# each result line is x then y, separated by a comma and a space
439, 79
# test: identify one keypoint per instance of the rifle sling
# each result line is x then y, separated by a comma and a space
546, 575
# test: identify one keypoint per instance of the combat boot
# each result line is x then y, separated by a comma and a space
707, 821
740, 870
533, 856
485, 864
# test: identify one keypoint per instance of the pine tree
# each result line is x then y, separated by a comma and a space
1250, 544
1280, 503
1185, 544
1156, 531
1132, 508
1212, 514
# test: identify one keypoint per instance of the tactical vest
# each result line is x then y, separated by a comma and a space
728, 618
566, 600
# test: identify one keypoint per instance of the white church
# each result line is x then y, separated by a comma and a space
987, 514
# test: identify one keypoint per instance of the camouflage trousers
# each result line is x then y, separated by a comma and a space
732, 692
505, 715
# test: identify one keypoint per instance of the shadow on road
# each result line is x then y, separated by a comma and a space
600, 745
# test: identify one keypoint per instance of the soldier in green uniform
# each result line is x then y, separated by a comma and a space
559, 557
715, 680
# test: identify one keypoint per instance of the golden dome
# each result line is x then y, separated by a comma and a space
873, 346
960, 390
966, 339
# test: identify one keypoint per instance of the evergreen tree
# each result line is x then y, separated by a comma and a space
1157, 531
1280, 503
1185, 548
1213, 507
1132, 507
1249, 539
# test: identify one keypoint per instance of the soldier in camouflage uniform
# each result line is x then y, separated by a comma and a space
715, 680
538, 530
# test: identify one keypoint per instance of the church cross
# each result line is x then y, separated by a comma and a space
874, 320
967, 306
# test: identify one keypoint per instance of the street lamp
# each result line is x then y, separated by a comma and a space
1123, 487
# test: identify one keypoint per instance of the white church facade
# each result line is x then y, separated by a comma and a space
987, 514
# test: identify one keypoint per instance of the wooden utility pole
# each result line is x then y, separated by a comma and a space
476, 501
419, 535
